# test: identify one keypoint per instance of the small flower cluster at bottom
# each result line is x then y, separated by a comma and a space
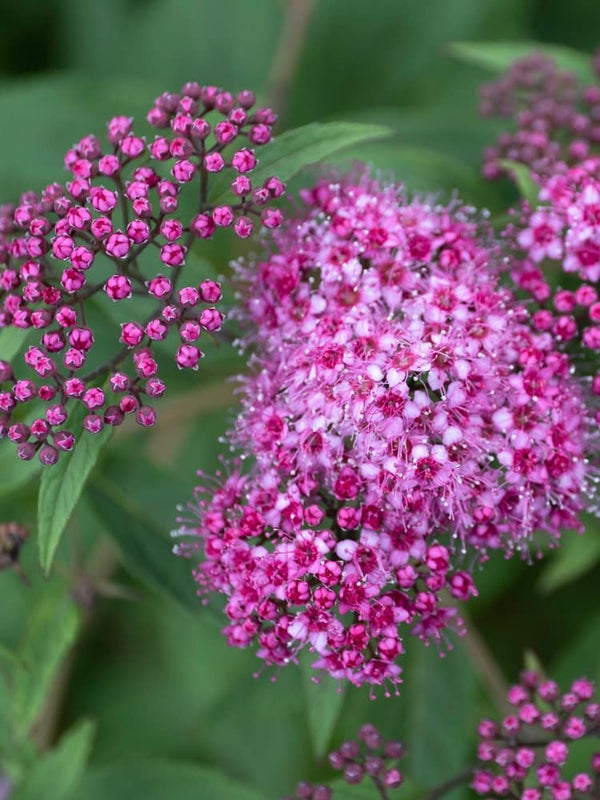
527, 754
370, 756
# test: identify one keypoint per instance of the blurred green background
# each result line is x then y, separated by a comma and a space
169, 700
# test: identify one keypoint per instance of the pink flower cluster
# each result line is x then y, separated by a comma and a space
119, 230
402, 420
370, 757
557, 119
564, 232
527, 754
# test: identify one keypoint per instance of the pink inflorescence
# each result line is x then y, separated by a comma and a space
369, 757
557, 119
528, 753
402, 420
563, 232
123, 227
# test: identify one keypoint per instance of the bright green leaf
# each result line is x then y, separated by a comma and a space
51, 631
576, 556
528, 188
498, 56
287, 154
62, 484
145, 546
57, 774
12, 340
324, 701
157, 780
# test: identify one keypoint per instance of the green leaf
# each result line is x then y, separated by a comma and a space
15, 472
367, 791
51, 631
442, 699
287, 154
528, 188
57, 774
576, 556
12, 340
62, 484
159, 779
145, 546
5, 712
498, 56
324, 701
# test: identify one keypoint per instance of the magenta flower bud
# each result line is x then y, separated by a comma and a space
18, 433
188, 356
244, 160
79, 187
101, 227
131, 334
47, 393
223, 216
271, 218
64, 440
243, 227
160, 287
353, 773
210, 292
304, 790
145, 416
81, 338
171, 313
393, 778
48, 455
596, 763
181, 123
157, 329
74, 359
557, 752
246, 99
138, 231
322, 793
26, 451
203, 226
213, 162
24, 391
128, 404
337, 760
200, 128
132, 146
74, 387
190, 331
211, 319
145, 364
155, 387
259, 134
181, 147
118, 128
275, 187
168, 205
160, 149
137, 189
260, 197
40, 428
224, 102
93, 423
79, 217
188, 296
72, 280
142, 207
225, 132
158, 118
118, 245
7, 401
241, 185
62, 247
93, 398
265, 116
113, 416
173, 255
118, 287
56, 415
52, 296
82, 258
41, 318
119, 382
171, 229
103, 200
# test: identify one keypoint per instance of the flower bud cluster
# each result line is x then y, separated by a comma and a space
119, 230
403, 419
529, 753
557, 119
368, 757
564, 232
